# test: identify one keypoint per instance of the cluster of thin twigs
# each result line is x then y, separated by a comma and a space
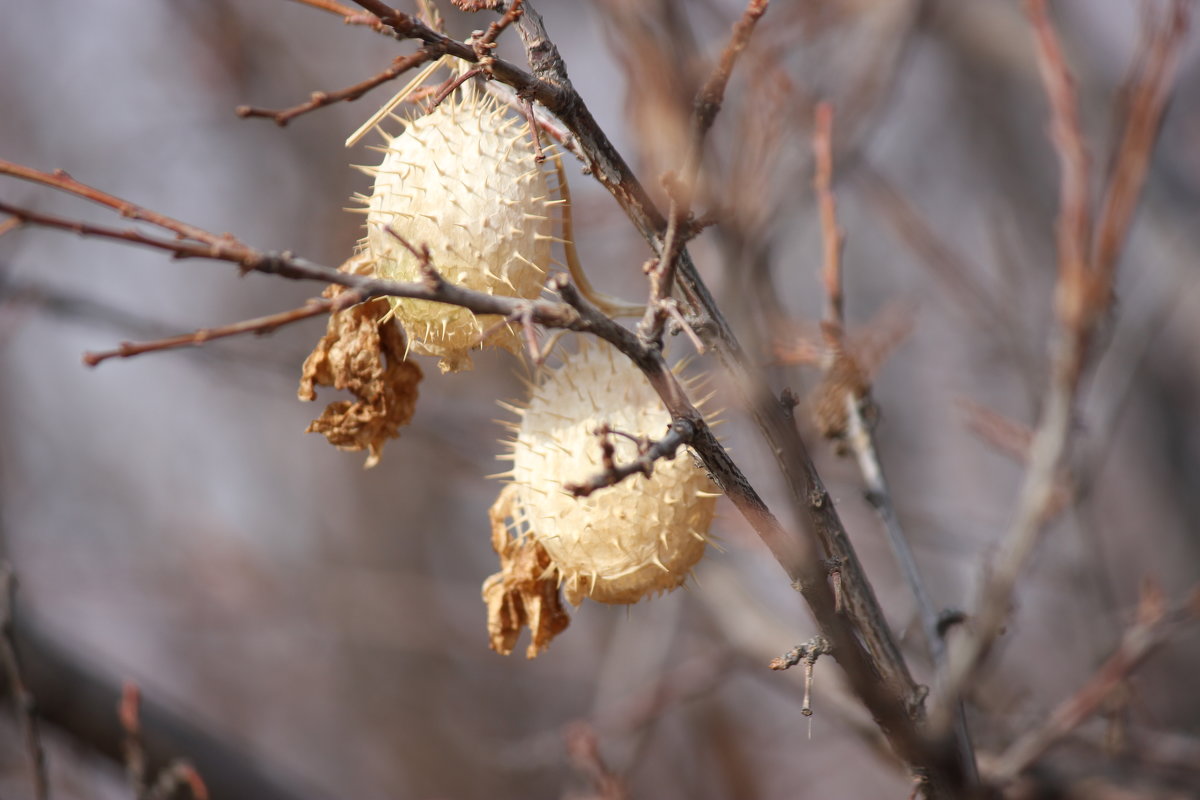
933, 744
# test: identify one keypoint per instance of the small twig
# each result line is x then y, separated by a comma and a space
318, 100
486, 43
1154, 625
680, 433
814, 647
259, 326
453, 84
348, 14
584, 751
23, 700
129, 713
176, 775
831, 235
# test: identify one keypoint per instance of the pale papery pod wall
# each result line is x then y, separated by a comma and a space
171, 524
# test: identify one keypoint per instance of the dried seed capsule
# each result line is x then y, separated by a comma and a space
622, 542
461, 180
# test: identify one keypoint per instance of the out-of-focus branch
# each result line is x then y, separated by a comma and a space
1083, 297
347, 13
317, 100
23, 699
1154, 626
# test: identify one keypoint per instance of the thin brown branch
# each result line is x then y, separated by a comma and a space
1074, 229
23, 700
831, 235
318, 100
584, 751
1149, 88
347, 13
259, 326
1153, 627
649, 451
166, 783
487, 42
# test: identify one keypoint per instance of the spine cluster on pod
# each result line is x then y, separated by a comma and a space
621, 543
463, 181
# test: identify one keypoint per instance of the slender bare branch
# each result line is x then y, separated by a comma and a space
259, 326
318, 100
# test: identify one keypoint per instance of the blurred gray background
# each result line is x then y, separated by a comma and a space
171, 523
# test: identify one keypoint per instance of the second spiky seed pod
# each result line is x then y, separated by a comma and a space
463, 181
623, 542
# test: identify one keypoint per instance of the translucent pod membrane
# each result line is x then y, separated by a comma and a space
622, 542
462, 181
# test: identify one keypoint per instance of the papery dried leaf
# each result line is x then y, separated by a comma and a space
365, 356
524, 593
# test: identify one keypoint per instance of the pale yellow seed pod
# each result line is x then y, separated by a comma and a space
623, 542
462, 180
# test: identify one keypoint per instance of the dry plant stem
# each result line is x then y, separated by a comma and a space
832, 237
282, 117
23, 700
259, 326
1084, 295
1153, 627
348, 14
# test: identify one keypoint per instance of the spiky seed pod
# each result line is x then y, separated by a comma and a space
463, 181
623, 542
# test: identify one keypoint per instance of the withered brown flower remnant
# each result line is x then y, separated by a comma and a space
524, 593
363, 353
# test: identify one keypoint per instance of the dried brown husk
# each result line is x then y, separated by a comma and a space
362, 352
524, 593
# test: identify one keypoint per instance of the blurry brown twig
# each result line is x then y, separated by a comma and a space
1155, 624
348, 14
23, 700
171, 778
1083, 297
584, 750
317, 100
